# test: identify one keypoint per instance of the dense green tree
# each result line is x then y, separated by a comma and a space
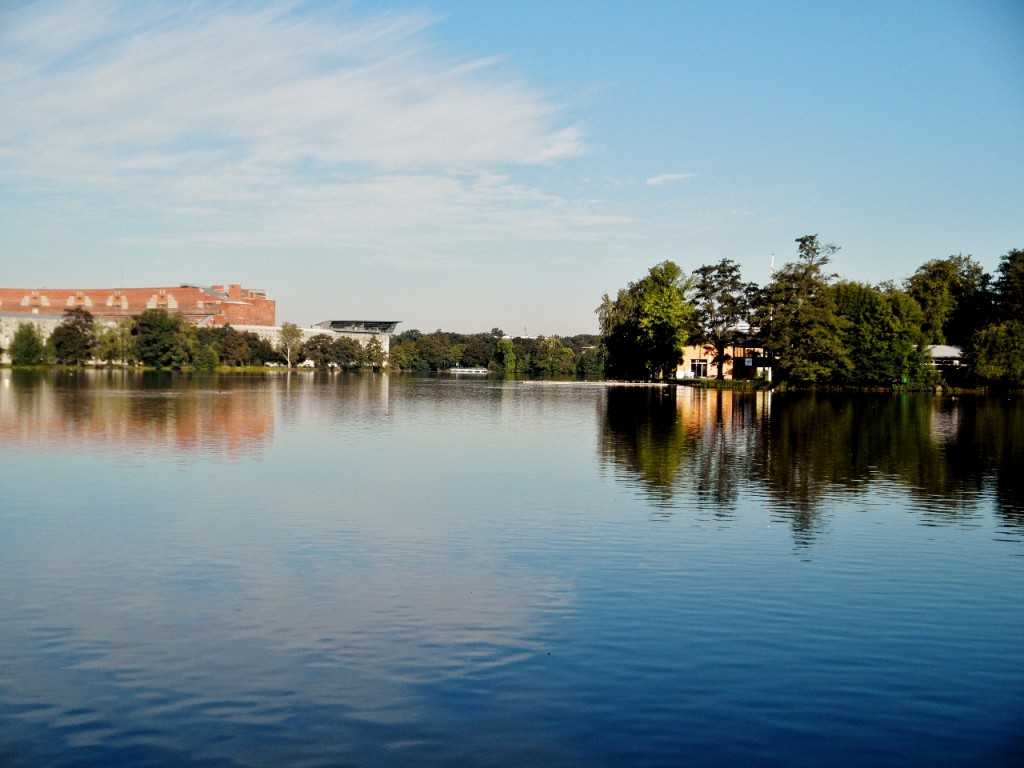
27, 345
1010, 285
907, 337
74, 339
620, 335
479, 350
319, 349
233, 347
290, 342
721, 301
552, 358
645, 327
590, 362
435, 351
881, 334
163, 340
998, 353
413, 350
115, 343
347, 352
457, 347
375, 356
402, 356
799, 324
207, 359
207, 338
260, 349
523, 349
506, 356
580, 342
955, 297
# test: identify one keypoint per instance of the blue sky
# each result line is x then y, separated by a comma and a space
464, 165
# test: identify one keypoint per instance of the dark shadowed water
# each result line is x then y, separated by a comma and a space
362, 570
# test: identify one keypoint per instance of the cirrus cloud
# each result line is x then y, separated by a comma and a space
247, 123
665, 179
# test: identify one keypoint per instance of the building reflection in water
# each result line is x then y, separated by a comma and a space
130, 410
126, 410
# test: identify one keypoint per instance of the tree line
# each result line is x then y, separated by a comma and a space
581, 356
815, 330
818, 330
164, 340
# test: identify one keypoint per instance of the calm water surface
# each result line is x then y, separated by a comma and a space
364, 570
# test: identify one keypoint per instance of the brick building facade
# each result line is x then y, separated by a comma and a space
200, 306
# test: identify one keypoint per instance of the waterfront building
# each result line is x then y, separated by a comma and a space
212, 305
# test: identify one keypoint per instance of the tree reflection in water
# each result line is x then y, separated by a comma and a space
691, 447
644, 439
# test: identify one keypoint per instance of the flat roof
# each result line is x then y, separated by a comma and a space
364, 326
943, 350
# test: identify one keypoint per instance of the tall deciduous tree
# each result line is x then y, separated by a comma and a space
551, 357
435, 350
402, 356
881, 334
115, 343
506, 355
232, 347
646, 326
998, 353
375, 356
798, 319
955, 297
319, 350
480, 350
997, 350
74, 339
721, 301
289, 342
346, 352
163, 340
590, 363
260, 349
27, 345
1010, 285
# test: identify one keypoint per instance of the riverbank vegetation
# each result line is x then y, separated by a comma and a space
155, 338
581, 356
817, 330
162, 340
810, 328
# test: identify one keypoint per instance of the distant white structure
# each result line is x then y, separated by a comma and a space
360, 330
945, 355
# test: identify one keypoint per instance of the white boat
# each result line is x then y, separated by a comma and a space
475, 371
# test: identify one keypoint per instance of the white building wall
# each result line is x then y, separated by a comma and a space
273, 335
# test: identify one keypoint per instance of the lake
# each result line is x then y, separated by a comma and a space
373, 570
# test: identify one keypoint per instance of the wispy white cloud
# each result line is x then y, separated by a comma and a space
242, 124
668, 178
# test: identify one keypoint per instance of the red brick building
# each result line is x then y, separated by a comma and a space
200, 306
